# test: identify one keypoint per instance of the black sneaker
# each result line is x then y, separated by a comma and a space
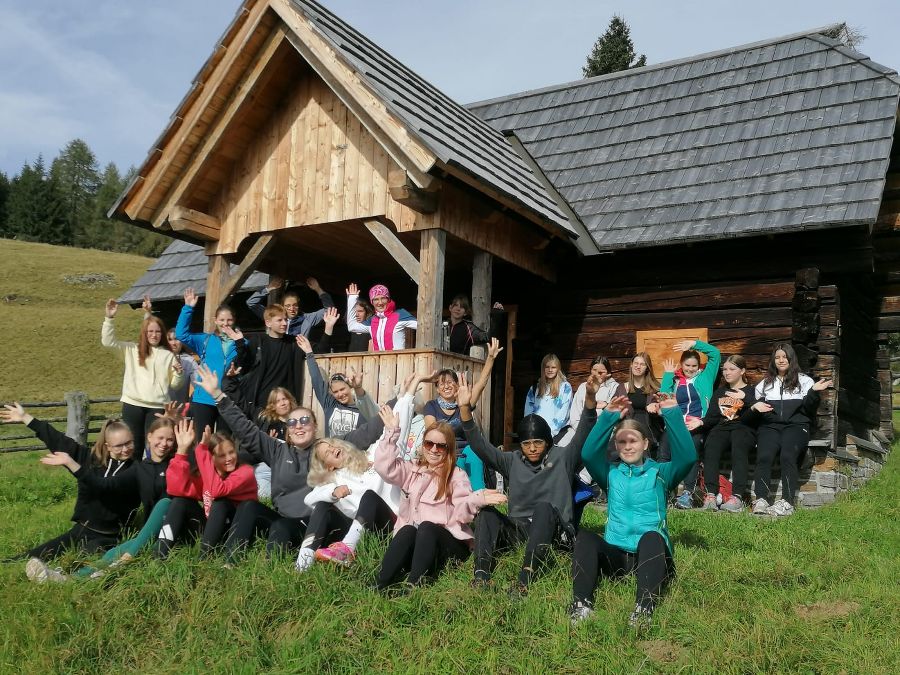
640, 619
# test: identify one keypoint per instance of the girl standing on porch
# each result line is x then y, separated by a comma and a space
151, 371
551, 397
693, 390
388, 324
787, 400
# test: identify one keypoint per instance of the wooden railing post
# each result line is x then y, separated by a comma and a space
78, 414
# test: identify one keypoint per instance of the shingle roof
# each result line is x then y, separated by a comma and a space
455, 136
788, 134
181, 265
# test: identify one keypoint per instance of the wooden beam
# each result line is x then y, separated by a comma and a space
217, 277
892, 220
200, 225
213, 137
249, 264
482, 279
250, 19
393, 135
384, 236
430, 302
404, 191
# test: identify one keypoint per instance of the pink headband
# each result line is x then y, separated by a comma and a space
379, 291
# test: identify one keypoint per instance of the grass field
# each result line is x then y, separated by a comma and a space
815, 593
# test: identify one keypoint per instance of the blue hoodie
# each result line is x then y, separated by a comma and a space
215, 351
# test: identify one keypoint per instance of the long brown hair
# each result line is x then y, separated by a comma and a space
650, 381
791, 377
443, 472
100, 452
144, 347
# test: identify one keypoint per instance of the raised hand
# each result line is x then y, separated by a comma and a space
313, 285
822, 385
172, 410
494, 348
147, 305
233, 333
233, 370
619, 404
184, 436
303, 343
190, 298
340, 492
493, 497
207, 434
592, 385
653, 408
330, 318
354, 379
273, 433
208, 380
60, 459
15, 413
386, 413
111, 308
352, 289
684, 345
275, 283
497, 305
407, 381
669, 365
464, 393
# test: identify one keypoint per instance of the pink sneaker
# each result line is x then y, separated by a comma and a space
338, 553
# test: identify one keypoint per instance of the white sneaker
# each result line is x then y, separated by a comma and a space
580, 610
39, 572
780, 508
305, 559
759, 507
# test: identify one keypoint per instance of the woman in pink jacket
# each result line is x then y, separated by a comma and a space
436, 506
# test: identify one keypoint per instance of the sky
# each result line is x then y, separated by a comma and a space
111, 72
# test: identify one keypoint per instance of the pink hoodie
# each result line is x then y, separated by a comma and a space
419, 502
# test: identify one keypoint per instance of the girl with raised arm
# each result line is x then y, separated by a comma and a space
99, 517
787, 400
216, 351
151, 372
636, 539
693, 388
436, 506
551, 397
387, 325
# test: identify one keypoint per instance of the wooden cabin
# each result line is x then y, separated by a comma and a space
750, 195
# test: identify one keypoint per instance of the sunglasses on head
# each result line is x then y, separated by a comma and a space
339, 377
304, 421
428, 445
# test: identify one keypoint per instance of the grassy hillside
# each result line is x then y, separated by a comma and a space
815, 593
51, 329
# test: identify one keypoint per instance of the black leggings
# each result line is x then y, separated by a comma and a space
79, 536
740, 440
326, 525
185, 518
139, 419
418, 552
791, 442
651, 564
254, 519
495, 532
665, 455
374, 514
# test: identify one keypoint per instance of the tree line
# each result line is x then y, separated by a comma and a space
67, 204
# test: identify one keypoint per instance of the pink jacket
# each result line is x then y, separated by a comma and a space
419, 502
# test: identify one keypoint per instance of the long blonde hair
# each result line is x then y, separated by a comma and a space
268, 413
356, 461
550, 387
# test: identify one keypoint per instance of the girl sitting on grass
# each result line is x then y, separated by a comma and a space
436, 506
220, 482
636, 538
99, 516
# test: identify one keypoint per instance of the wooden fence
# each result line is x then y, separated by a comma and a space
78, 420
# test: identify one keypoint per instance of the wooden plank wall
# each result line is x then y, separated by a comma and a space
384, 371
742, 318
311, 162
887, 320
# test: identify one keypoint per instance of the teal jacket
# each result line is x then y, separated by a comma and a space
637, 492
702, 384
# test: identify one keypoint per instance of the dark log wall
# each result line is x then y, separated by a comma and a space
825, 308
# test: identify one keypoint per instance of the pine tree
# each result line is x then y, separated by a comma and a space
34, 209
613, 51
4, 198
75, 173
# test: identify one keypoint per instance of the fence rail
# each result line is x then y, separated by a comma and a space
78, 420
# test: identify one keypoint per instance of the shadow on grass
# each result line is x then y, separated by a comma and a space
691, 539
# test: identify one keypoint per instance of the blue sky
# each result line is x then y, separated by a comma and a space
112, 71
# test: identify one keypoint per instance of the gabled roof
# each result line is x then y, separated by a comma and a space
181, 265
457, 138
788, 134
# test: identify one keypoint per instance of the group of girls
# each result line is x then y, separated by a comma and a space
775, 418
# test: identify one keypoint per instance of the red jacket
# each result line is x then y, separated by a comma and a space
238, 486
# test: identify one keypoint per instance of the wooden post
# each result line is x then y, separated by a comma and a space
217, 278
431, 288
482, 278
78, 414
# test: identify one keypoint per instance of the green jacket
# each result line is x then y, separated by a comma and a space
702, 385
637, 492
